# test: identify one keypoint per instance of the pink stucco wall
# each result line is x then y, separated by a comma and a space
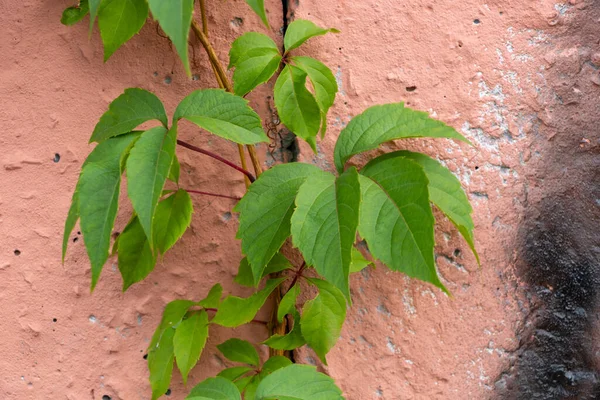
491, 69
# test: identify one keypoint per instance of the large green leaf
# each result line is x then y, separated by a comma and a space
189, 341
300, 30
445, 191
172, 218
134, 107
172, 315
235, 311
396, 218
239, 351
259, 8
324, 224
297, 107
215, 389
148, 166
323, 317
290, 341
119, 20
70, 222
323, 82
256, 58
98, 191
298, 382
136, 259
380, 124
223, 114
175, 18
73, 15
160, 363
265, 212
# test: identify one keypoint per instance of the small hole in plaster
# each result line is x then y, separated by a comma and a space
106, 397
411, 88
476, 21
145, 356
168, 80
79, 232
195, 77
75, 239
457, 253
339, 48
17, 252
237, 22
501, 12
460, 43
476, 168
56, 157
54, 320
155, 73
168, 392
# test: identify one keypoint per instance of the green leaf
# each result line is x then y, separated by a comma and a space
160, 363
119, 20
136, 259
288, 302
215, 389
223, 114
98, 191
175, 171
234, 373
380, 124
324, 224
172, 315
72, 218
259, 8
396, 218
445, 191
297, 107
189, 341
323, 317
323, 82
172, 218
239, 351
277, 264
273, 364
148, 166
128, 111
235, 311
265, 213
94, 6
73, 15
299, 31
250, 388
298, 382
241, 384
291, 341
256, 58
244, 276
359, 262
175, 18
213, 298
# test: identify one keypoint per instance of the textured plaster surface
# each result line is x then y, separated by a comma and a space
510, 75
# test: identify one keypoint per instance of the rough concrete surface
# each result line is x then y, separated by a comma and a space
520, 79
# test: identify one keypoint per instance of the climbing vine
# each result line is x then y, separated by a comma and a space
386, 203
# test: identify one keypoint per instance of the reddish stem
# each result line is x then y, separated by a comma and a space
257, 321
216, 157
297, 276
213, 194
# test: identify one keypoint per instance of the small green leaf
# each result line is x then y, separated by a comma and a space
446, 193
215, 389
297, 107
397, 189
175, 171
160, 363
256, 58
259, 8
324, 224
300, 30
244, 276
148, 166
359, 262
98, 191
136, 259
94, 6
223, 114
235, 311
234, 373
213, 298
380, 124
250, 388
172, 218
323, 317
241, 384
189, 341
277, 264
265, 213
128, 111
73, 15
172, 315
273, 364
239, 351
175, 18
298, 382
288, 302
291, 341
119, 20
72, 218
